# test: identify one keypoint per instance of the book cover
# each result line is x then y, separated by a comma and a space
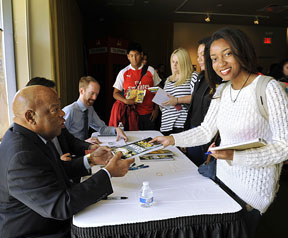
153, 89
156, 157
161, 152
137, 94
137, 148
259, 142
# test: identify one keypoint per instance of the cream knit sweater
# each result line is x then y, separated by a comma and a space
254, 173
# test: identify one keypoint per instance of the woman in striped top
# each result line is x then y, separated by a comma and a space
179, 87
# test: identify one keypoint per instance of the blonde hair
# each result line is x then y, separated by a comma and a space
85, 80
185, 66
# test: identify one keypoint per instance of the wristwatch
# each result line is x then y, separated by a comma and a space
89, 159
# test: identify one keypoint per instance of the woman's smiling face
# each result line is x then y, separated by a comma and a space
223, 61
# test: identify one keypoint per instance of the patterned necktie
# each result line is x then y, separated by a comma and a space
85, 124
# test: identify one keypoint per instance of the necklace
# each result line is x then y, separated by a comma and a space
234, 100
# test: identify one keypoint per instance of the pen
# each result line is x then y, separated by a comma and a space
208, 153
139, 167
71, 156
115, 198
144, 166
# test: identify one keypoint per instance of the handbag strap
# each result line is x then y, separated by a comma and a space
209, 156
143, 72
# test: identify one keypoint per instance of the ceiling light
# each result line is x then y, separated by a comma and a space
207, 19
256, 21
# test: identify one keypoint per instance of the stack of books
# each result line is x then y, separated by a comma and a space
158, 155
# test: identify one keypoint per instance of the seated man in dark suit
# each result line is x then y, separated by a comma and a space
37, 198
66, 144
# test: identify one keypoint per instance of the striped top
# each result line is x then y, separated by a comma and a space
170, 116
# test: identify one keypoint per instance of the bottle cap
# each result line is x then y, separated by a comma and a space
145, 183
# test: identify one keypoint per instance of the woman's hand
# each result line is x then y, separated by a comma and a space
164, 140
222, 154
171, 102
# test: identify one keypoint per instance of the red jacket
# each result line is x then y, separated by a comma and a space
120, 112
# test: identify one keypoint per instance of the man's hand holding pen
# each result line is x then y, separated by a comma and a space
66, 157
100, 156
118, 167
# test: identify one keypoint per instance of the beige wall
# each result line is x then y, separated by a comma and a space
20, 42
187, 35
39, 38
32, 39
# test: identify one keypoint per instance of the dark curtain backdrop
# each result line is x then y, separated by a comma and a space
67, 48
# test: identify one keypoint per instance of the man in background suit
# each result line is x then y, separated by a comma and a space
80, 115
36, 197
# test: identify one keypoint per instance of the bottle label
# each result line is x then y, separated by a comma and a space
146, 200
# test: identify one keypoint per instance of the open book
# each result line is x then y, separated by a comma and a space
137, 148
241, 146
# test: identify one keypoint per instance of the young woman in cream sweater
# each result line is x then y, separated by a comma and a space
250, 175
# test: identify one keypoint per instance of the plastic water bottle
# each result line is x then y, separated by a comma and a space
121, 126
146, 195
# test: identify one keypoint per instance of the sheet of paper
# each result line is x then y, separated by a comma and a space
111, 141
160, 97
108, 140
115, 143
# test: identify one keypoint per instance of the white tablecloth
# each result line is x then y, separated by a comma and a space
179, 190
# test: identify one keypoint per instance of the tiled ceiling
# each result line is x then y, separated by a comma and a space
243, 12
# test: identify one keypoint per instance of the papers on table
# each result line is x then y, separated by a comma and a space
160, 97
108, 140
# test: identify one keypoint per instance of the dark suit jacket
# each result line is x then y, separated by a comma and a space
36, 198
71, 144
